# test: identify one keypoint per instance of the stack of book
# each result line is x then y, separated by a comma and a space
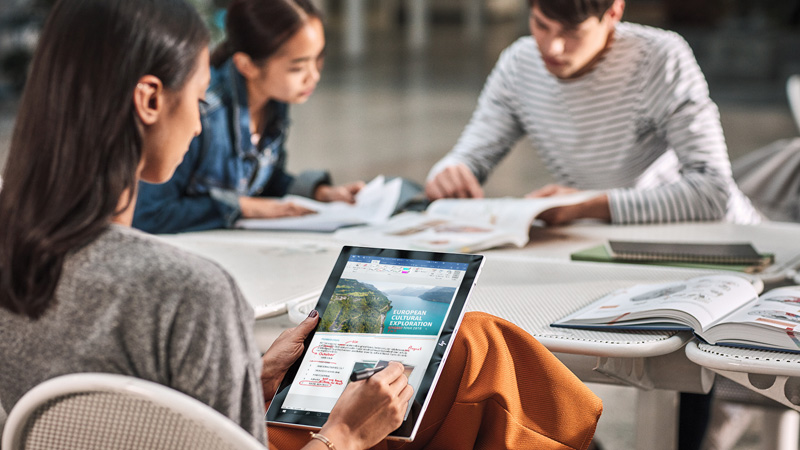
740, 257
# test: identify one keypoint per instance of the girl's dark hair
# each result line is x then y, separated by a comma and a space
76, 144
572, 12
259, 28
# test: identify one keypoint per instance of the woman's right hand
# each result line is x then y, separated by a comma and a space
269, 208
369, 410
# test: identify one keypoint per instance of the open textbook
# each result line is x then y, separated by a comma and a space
461, 225
720, 309
375, 203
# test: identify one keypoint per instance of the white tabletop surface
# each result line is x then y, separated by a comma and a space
530, 286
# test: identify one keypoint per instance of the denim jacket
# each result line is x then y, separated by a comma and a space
223, 164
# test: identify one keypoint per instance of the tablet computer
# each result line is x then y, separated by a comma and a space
379, 305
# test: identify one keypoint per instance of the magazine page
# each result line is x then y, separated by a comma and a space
375, 203
461, 225
769, 321
424, 231
513, 214
694, 303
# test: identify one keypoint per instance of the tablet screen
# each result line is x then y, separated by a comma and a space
379, 305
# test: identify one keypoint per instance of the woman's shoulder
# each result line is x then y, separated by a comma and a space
138, 257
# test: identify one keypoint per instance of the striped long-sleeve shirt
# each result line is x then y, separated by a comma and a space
639, 126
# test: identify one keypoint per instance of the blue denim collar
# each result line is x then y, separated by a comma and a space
229, 87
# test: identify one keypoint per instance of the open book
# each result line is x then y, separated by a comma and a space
461, 225
720, 309
374, 204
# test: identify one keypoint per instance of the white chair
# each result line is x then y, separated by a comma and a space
793, 92
103, 411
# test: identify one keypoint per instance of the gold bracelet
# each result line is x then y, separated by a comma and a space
322, 438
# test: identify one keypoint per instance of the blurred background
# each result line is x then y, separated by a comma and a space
402, 77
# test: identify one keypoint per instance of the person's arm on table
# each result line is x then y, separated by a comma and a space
679, 102
594, 208
489, 136
269, 208
168, 208
344, 193
314, 184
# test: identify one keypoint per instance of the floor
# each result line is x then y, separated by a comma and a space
396, 112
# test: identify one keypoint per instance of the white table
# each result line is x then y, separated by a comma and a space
534, 286
775, 375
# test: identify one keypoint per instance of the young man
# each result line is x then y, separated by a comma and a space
609, 106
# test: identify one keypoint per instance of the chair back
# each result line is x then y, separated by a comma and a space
91, 411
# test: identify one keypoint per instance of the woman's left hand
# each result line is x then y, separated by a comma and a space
345, 193
283, 353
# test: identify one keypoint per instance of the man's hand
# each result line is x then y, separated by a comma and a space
283, 353
595, 208
551, 190
345, 193
269, 208
454, 182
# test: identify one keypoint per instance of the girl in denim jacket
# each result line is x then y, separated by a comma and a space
272, 58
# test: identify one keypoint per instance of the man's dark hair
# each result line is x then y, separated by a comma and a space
572, 12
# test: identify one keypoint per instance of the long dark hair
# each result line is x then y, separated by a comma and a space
76, 144
572, 12
259, 28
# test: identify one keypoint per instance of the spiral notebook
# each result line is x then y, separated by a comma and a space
711, 253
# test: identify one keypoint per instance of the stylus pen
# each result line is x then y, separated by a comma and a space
365, 373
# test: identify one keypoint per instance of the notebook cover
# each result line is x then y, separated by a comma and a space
707, 253
600, 254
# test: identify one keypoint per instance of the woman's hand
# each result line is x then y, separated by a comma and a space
369, 410
345, 193
269, 208
283, 353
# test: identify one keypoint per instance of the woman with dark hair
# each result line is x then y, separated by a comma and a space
113, 98
236, 168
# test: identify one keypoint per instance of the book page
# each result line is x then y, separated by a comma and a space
695, 303
461, 225
414, 230
778, 308
513, 214
375, 203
